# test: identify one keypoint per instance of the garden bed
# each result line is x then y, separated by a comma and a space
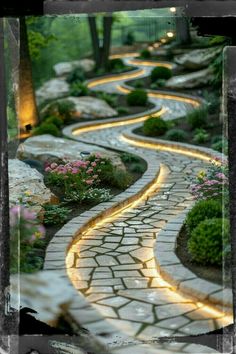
211, 273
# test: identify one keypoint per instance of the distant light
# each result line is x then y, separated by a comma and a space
156, 45
150, 48
163, 40
170, 34
172, 9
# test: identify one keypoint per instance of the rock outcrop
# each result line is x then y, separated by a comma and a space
198, 58
65, 68
192, 80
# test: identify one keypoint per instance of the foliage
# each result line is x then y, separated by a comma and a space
116, 64
78, 89
137, 168
25, 232
138, 84
126, 157
217, 40
206, 241
160, 72
155, 126
200, 136
158, 83
123, 110
221, 145
76, 75
120, 179
176, 135
213, 101
204, 209
217, 67
37, 41
109, 98
55, 214
145, 54
137, 97
63, 109
197, 117
212, 183
46, 128
130, 38
97, 195
58, 122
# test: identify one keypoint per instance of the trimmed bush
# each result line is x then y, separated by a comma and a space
200, 136
138, 84
78, 89
155, 126
58, 122
46, 128
115, 64
145, 54
121, 179
137, 98
160, 72
63, 109
207, 240
176, 135
204, 209
123, 110
110, 99
76, 75
197, 118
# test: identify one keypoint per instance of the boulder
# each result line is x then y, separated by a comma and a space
23, 178
198, 58
192, 80
64, 68
52, 89
45, 292
48, 148
92, 107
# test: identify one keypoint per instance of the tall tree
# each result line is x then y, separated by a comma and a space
183, 29
101, 46
26, 107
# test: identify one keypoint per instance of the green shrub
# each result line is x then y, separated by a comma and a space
76, 75
116, 64
63, 109
78, 89
110, 99
200, 136
46, 128
55, 214
137, 98
155, 126
216, 139
126, 157
220, 145
204, 209
207, 240
130, 38
121, 179
213, 101
58, 122
145, 54
123, 110
197, 118
137, 168
160, 72
176, 135
138, 84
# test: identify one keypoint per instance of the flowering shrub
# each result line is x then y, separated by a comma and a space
25, 232
212, 183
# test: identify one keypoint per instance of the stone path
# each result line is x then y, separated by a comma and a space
113, 262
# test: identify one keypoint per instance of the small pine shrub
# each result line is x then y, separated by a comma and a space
110, 99
76, 75
145, 54
137, 98
204, 209
155, 126
121, 179
137, 168
138, 84
78, 89
176, 135
200, 136
160, 72
46, 128
207, 240
197, 118
63, 109
58, 122
115, 64
55, 214
126, 157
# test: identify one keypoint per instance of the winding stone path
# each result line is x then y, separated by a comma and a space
112, 264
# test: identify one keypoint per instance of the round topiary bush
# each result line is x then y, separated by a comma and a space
176, 135
76, 75
155, 126
160, 72
204, 209
115, 64
46, 128
145, 54
207, 240
58, 122
137, 98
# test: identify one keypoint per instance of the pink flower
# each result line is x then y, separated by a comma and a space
97, 155
74, 170
48, 169
53, 165
94, 164
95, 176
90, 170
89, 181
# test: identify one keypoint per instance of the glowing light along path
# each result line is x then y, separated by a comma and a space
114, 259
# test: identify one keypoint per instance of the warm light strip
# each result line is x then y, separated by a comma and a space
157, 146
126, 55
149, 63
165, 96
117, 124
114, 78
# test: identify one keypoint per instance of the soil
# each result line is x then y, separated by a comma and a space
213, 128
211, 273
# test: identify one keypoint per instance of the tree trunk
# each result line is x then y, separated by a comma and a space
95, 40
183, 30
107, 25
27, 110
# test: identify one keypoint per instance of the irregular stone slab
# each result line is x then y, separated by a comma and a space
92, 107
45, 147
198, 58
65, 68
52, 89
191, 80
23, 178
38, 292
